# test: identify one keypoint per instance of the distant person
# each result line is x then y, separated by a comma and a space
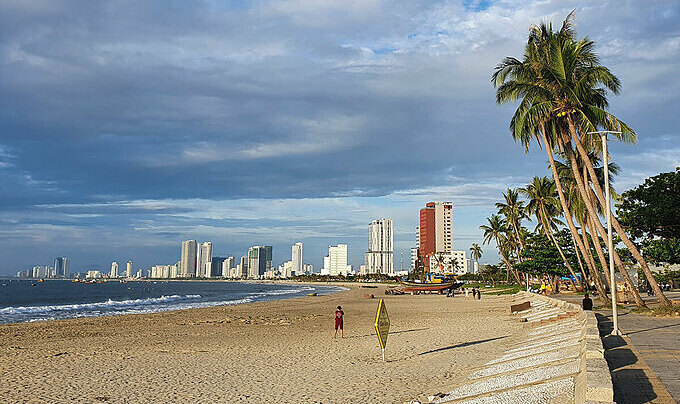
479, 294
542, 288
587, 302
467, 293
338, 323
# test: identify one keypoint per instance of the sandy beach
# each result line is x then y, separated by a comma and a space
280, 351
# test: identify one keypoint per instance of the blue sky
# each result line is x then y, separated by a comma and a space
127, 127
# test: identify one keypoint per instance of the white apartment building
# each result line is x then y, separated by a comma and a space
286, 269
335, 263
380, 256
308, 269
455, 262
128, 269
187, 268
114, 270
296, 260
204, 259
227, 267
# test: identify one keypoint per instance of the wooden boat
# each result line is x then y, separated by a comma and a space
408, 286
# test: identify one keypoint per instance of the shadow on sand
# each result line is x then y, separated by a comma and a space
464, 344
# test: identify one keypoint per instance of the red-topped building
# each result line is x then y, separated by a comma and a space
435, 231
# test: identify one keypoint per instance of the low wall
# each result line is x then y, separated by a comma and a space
593, 383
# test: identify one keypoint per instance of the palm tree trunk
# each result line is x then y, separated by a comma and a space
565, 207
619, 230
580, 263
557, 245
589, 254
622, 269
598, 249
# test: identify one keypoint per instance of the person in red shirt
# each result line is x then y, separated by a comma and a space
338, 323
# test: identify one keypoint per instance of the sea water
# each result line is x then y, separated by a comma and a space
26, 300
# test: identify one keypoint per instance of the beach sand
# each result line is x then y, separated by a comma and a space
270, 352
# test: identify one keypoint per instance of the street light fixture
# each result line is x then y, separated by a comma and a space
610, 244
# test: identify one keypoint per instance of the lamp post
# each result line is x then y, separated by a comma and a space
610, 244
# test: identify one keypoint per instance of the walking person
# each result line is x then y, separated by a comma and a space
338, 323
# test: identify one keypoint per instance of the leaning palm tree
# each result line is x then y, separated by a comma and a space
542, 201
562, 88
591, 221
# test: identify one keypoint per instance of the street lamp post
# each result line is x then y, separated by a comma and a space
610, 243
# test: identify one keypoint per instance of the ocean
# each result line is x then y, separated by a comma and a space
26, 300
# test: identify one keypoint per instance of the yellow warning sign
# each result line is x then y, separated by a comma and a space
382, 324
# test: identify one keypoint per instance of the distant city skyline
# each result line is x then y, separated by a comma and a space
265, 124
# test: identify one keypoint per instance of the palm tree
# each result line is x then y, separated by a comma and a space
496, 230
541, 193
476, 253
563, 89
514, 212
591, 221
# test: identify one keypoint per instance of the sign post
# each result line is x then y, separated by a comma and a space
382, 326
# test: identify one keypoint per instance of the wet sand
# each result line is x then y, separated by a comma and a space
280, 351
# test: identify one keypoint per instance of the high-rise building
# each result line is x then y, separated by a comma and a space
296, 260
187, 268
114, 270
61, 265
128, 269
414, 257
335, 263
436, 230
259, 261
242, 267
204, 260
227, 267
216, 267
286, 270
40, 271
380, 256
308, 269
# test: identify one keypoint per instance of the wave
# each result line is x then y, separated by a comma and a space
147, 305
109, 304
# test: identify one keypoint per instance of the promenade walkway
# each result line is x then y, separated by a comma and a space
645, 362
547, 366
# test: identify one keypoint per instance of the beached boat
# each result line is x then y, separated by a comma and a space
408, 286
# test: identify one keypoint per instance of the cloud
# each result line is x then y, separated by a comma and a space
139, 123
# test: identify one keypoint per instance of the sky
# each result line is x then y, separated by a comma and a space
129, 126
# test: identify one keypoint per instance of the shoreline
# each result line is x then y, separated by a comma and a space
274, 351
105, 305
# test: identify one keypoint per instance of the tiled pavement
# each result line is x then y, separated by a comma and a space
657, 343
645, 363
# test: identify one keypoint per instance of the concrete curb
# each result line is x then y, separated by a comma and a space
593, 383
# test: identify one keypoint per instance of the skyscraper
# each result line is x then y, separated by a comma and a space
204, 260
380, 256
114, 270
227, 267
436, 230
296, 259
128, 269
243, 267
259, 261
335, 263
187, 267
61, 265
